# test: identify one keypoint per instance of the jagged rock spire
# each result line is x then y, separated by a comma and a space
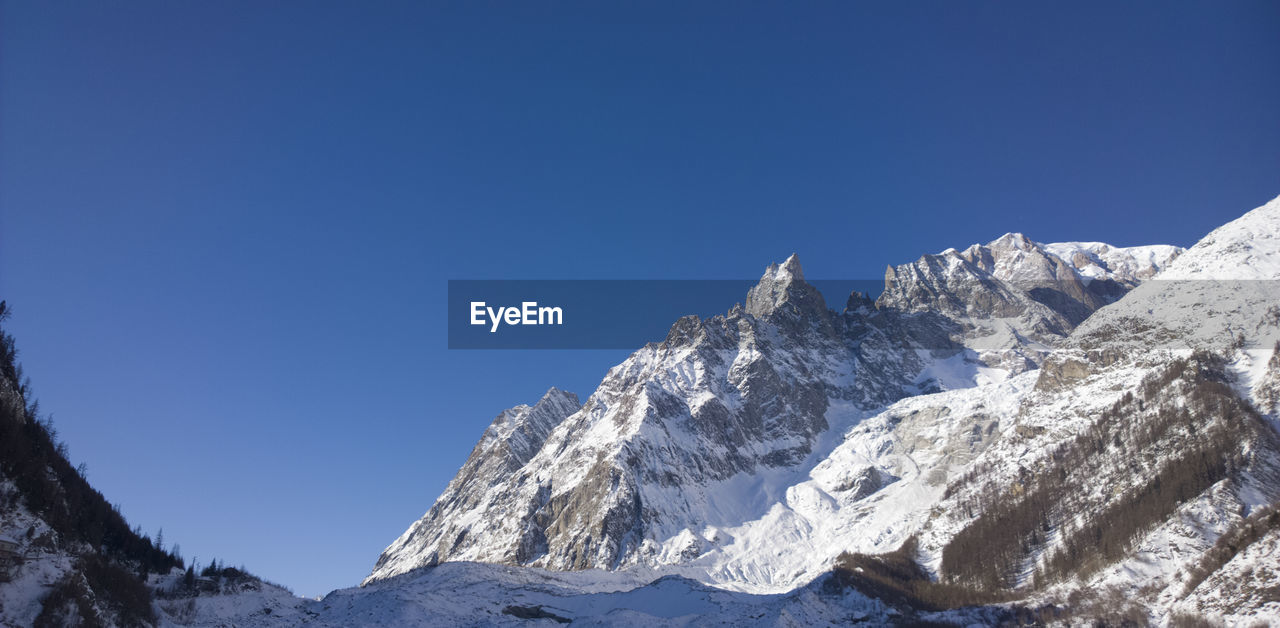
783, 284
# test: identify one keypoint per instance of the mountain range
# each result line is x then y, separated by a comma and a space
1013, 432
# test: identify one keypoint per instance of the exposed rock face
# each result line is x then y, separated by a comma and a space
783, 286
517, 434
652, 470
1062, 373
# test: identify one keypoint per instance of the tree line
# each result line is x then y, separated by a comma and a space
1182, 432
32, 457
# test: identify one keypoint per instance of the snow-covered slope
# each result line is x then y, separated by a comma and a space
26, 582
1239, 578
1224, 292
873, 491
1173, 376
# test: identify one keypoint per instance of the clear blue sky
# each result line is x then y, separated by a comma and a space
226, 229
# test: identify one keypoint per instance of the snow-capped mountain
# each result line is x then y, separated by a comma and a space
1016, 432
751, 450
695, 455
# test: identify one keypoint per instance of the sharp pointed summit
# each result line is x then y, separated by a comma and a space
791, 266
784, 284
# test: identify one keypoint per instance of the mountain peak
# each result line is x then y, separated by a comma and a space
537, 419
782, 284
1013, 240
555, 394
791, 267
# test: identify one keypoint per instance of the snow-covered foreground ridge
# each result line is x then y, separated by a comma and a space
473, 594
